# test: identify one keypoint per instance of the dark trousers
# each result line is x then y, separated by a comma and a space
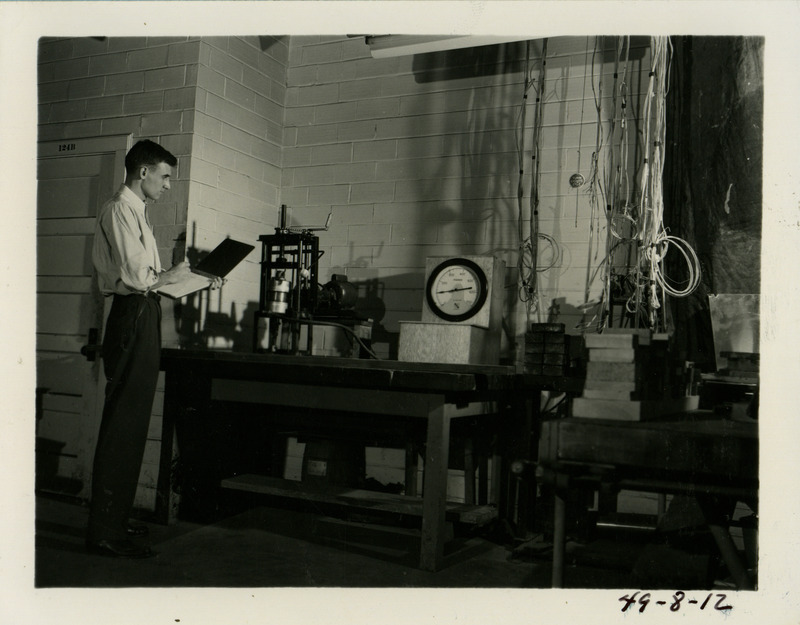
131, 354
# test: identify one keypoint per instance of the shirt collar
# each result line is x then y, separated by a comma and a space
130, 197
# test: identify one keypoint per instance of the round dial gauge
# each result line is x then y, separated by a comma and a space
456, 289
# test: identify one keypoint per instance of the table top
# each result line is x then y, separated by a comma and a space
696, 444
360, 373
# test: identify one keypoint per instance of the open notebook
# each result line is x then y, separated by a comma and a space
218, 264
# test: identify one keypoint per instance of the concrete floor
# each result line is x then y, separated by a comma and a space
267, 546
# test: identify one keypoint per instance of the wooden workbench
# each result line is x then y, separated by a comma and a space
372, 390
714, 460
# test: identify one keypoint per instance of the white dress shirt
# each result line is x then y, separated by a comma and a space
125, 255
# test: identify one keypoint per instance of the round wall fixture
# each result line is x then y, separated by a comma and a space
576, 180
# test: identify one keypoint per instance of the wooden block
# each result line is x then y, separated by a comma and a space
542, 369
555, 339
448, 343
611, 341
613, 355
631, 410
553, 348
740, 356
640, 332
533, 362
593, 393
611, 371
742, 365
734, 374
554, 359
547, 327
608, 385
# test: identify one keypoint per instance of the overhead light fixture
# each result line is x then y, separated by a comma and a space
382, 46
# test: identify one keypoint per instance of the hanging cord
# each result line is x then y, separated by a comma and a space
596, 192
618, 207
613, 189
527, 263
520, 139
536, 179
580, 131
652, 284
644, 299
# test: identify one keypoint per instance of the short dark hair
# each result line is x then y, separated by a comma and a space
145, 153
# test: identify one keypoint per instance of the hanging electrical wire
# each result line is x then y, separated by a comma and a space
536, 179
527, 262
652, 285
577, 180
522, 269
596, 194
519, 137
620, 222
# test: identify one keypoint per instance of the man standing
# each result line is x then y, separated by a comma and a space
129, 270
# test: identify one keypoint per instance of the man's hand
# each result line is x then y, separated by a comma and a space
175, 274
217, 283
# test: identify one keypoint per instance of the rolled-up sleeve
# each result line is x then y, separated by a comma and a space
127, 249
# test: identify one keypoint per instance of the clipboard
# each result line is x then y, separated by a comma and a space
217, 264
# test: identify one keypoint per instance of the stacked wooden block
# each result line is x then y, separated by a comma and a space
740, 365
546, 350
628, 377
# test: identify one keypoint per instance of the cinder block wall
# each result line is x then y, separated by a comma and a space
145, 87
142, 86
419, 155
235, 176
415, 155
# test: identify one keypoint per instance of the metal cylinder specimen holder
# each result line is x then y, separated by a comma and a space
278, 294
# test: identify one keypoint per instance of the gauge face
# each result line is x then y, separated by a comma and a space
456, 289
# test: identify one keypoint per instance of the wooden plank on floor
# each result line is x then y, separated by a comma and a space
358, 498
631, 410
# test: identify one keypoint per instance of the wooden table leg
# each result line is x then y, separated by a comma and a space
483, 480
559, 539
165, 501
434, 493
725, 544
411, 468
469, 470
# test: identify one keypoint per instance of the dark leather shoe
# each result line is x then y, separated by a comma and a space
136, 529
118, 549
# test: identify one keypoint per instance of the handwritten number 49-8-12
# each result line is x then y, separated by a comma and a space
678, 599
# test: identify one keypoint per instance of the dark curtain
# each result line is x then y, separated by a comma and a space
712, 176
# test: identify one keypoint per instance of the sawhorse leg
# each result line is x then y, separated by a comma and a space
722, 537
559, 539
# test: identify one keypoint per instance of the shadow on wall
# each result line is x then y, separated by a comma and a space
502, 58
484, 154
464, 63
198, 326
370, 305
571, 316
